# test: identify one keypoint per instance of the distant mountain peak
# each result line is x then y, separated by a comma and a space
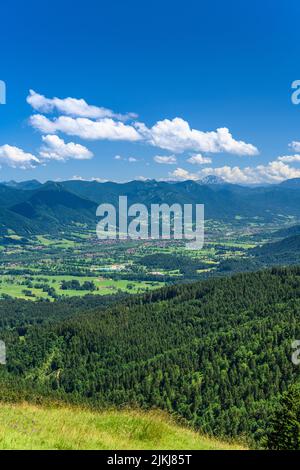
292, 183
25, 185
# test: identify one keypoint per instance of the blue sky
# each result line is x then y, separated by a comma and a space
186, 69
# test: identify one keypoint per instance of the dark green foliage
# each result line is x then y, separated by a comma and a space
285, 424
287, 232
184, 264
217, 352
74, 284
282, 253
285, 252
51, 207
4, 241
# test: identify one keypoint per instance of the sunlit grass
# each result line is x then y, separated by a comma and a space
13, 285
30, 427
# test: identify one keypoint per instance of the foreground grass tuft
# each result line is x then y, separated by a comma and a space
25, 426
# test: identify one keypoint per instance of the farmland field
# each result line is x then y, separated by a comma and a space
75, 263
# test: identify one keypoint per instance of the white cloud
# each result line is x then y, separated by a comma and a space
80, 178
199, 160
17, 158
125, 159
177, 136
55, 148
295, 145
104, 129
273, 172
73, 107
289, 158
168, 160
80, 119
181, 174
141, 178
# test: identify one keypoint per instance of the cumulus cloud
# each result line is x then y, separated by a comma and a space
199, 160
17, 158
167, 160
55, 148
182, 175
73, 107
81, 178
78, 118
289, 158
141, 178
104, 129
177, 136
274, 172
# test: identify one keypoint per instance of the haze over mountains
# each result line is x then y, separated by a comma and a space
32, 207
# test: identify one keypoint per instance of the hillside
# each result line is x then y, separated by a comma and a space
293, 183
30, 427
287, 232
47, 209
284, 252
217, 353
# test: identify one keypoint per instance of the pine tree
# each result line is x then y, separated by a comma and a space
285, 424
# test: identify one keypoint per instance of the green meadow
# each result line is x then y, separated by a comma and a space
30, 427
13, 285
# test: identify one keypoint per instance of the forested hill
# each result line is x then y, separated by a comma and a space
285, 252
218, 352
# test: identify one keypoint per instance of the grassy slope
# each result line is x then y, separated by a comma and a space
29, 427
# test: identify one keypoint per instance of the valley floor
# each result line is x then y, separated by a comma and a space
28, 427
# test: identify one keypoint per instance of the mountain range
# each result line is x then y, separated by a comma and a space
32, 207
